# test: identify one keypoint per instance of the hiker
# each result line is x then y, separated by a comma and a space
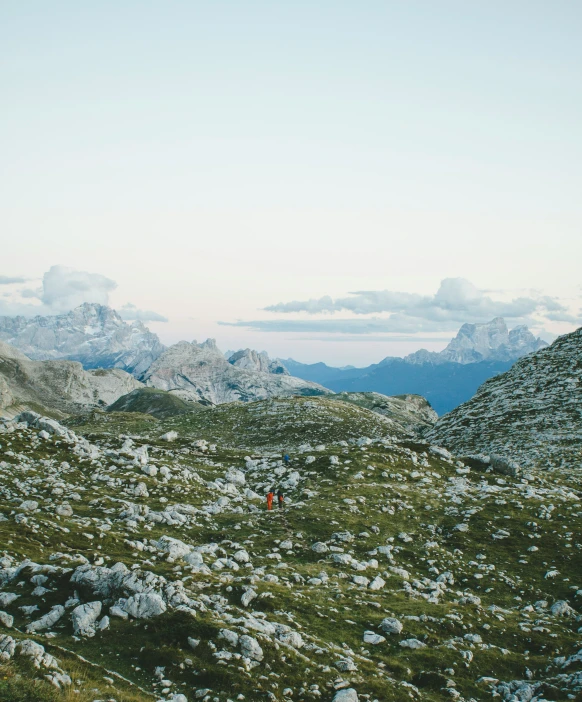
270, 496
280, 499
286, 458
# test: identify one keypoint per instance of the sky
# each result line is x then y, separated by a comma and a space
323, 180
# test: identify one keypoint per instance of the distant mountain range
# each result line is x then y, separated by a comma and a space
97, 337
446, 378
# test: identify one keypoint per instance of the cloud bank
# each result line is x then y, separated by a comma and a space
131, 313
10, 280
456, 301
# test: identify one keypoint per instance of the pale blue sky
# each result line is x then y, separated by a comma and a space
217, 158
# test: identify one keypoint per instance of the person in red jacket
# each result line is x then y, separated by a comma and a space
270, 496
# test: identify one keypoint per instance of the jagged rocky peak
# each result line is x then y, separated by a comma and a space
93, 334
530, 414
201, 373
491, 341
260, 362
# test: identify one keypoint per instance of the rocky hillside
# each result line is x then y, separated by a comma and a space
59, 387
158, 403
147, 568
413, 412
531, 414
199, 372
92, 334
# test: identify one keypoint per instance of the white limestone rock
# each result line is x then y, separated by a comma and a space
84, 618
347, 695
144, 605
47, 621
391, 625
250, 648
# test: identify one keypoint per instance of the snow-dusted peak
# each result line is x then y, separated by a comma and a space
93, 334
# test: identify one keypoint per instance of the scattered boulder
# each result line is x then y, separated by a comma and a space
84, 618
144, 605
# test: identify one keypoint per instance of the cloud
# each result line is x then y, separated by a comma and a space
29, 292
65, 288
10, 280
373, 325
130, 312
61, 290
457, 299
456, 302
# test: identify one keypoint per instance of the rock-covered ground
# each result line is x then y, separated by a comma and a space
138, 562
531, 414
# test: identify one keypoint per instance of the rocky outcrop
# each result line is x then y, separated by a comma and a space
530, 414
199, 372
94, 335
483, 342
255, 361
62, 386
412, 412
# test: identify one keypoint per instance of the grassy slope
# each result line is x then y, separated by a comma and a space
158, 403
394, 497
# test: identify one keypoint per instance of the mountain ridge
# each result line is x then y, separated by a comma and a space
92, 334
200, 372
61, 386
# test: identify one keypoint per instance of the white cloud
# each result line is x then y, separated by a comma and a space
396, 323
455, 302
130, 312
10, 280
457, 299
65, 288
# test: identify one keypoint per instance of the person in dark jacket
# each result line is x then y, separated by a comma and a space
280, 498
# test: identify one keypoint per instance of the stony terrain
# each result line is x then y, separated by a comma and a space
531, 414
411, 411
94, 335
57, 387
200, 372
139, 562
